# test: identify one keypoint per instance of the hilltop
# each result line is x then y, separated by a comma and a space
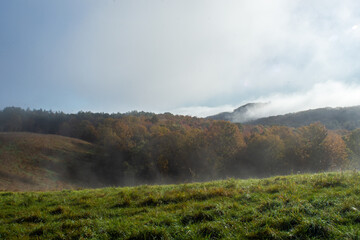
31, 161
241, 114
318, 206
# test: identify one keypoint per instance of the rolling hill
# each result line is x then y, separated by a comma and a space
333, 118
30, 161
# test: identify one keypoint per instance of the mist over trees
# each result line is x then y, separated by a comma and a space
138, 147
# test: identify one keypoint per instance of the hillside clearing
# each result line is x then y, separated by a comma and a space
30, 161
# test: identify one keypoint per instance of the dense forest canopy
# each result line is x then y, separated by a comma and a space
139, 147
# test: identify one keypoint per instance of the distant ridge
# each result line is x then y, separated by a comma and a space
333, 118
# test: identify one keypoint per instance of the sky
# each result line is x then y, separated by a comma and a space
192, 57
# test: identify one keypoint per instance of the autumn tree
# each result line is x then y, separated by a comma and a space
222, 141
310, 148
353, 144
335, 152
264, 154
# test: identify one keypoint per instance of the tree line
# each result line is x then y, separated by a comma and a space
139, 147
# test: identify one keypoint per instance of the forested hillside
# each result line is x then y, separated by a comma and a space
137, 148
332, 118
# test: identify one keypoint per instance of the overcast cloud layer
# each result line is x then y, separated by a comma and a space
187, 57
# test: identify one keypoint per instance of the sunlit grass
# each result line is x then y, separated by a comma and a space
295, 207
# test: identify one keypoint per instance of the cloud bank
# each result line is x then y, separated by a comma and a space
165, 55
171, 54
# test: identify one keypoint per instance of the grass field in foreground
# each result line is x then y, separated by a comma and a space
294, 207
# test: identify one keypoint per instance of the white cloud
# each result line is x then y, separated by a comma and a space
325, 94
164, 55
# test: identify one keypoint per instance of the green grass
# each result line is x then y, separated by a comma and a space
295, 207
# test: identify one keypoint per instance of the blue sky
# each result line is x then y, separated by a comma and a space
189, 57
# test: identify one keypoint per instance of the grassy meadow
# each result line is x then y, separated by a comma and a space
314, 206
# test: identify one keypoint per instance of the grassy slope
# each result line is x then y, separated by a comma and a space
31, 161
294, 207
